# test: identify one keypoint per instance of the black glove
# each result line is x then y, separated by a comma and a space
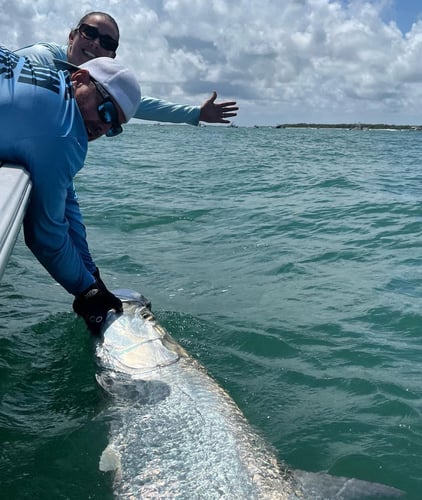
100, 282
93, 305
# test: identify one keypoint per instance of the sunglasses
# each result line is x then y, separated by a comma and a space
108, 112
92, 33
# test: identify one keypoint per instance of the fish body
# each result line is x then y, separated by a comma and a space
175, 433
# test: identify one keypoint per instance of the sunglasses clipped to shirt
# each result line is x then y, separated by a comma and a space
108, 112
91, 33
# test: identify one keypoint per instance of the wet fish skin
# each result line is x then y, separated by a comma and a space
175, 433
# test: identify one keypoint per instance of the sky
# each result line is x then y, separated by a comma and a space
283, 61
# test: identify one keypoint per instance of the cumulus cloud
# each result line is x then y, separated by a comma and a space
299, 60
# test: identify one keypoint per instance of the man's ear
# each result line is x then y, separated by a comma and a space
81, 76
71, 36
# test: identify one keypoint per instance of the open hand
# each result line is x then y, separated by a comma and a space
217, 113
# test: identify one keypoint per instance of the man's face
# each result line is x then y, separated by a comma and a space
88, 99
86, 44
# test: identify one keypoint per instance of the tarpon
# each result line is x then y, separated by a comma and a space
176, 434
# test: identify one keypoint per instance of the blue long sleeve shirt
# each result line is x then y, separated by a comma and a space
149, 107
43, 130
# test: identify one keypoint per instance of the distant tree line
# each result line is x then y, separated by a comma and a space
351, 126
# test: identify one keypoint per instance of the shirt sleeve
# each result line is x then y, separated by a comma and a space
47, 229
77, 229
43, 53
164, 111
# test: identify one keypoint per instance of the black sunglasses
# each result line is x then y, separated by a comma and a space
92, 33
108, 112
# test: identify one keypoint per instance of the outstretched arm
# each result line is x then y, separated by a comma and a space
217, 113
158, 110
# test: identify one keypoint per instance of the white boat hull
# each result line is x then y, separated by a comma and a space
15, 188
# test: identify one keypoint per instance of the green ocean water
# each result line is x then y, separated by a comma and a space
287, 261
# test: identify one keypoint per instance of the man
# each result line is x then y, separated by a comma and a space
47, 117
97, 35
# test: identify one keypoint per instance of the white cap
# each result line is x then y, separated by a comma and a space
117, 80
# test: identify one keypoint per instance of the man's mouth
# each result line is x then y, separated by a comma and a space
88, 54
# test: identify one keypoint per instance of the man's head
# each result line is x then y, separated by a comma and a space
107, 94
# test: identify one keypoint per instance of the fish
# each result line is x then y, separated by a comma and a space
175, 433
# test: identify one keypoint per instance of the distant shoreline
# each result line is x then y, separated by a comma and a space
351, 126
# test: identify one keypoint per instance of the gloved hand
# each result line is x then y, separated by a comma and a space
100, 282
93, 305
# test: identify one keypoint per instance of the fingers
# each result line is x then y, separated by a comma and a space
228, 104
226, 109
227, 112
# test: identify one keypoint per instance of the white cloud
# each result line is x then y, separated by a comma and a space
298, 60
